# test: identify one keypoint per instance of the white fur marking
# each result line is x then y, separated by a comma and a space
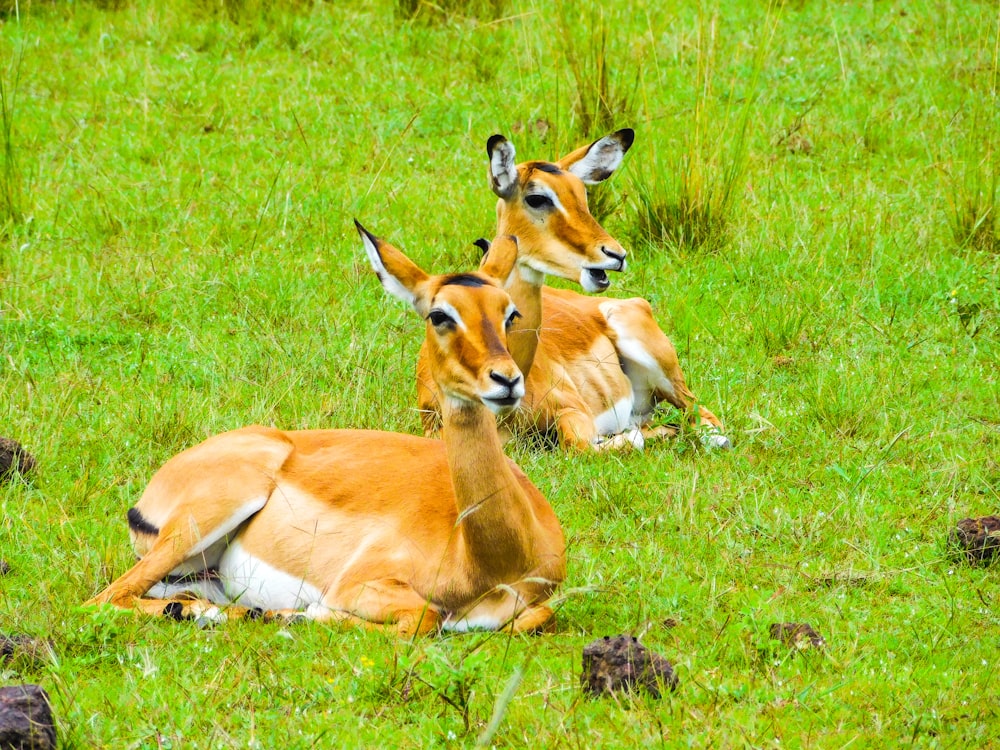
228, 526
451, 312
528, 274
617, 419
389, 282
536, 188
252, 582
603, 158
641, 368
468, 624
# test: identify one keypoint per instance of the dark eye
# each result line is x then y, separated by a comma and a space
511, 318
438, 318
537, 201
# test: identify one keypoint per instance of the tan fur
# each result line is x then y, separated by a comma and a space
577, 350
393, 530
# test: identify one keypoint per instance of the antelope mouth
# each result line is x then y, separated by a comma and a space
596, 279
503, 404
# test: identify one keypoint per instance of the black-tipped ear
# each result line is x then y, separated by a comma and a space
597, 161
399, 276
483, 244
365, 233
493, 141
626, 136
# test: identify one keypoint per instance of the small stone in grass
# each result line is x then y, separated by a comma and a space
26, 718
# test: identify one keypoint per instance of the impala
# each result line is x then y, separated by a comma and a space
372, 528
596, 368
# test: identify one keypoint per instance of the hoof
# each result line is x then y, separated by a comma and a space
175, 611
208, 616
634, 436
714, 440
622, 441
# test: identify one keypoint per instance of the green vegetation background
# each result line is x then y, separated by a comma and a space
810, 206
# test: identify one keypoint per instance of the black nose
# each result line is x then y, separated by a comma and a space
620, 257
496, 377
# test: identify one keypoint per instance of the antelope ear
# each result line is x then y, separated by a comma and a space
400, 276
503, 170
598, 161
499, 260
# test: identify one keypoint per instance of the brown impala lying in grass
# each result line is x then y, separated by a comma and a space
596, 367
373, 528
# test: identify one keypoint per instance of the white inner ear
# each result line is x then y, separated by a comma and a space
503, 170
389, 282
600, 162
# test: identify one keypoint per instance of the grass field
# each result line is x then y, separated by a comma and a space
811, 207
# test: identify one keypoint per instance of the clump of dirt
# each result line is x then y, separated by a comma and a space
976, 540
14, 459
23, 651
622, 664
797, 635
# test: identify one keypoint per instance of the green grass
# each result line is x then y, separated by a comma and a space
185, 263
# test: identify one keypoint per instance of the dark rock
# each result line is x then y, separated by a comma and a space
14, 459
26, 721
622, 664
798, 635
976, 540
4, 567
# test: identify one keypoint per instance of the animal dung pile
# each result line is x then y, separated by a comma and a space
797, 635
22, 650
976, 540
26, 718
14, 459
622, 664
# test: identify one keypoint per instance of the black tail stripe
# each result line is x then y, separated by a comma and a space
140, 525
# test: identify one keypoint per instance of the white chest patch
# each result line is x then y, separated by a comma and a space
251, 582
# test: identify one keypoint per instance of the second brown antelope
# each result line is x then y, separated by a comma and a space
596, 367
371, 528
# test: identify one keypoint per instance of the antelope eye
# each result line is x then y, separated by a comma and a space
438, 318
538, 201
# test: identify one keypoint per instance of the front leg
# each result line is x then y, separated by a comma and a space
650, 362
538, 619
385, 604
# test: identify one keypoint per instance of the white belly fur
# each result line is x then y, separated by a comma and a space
251, 582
